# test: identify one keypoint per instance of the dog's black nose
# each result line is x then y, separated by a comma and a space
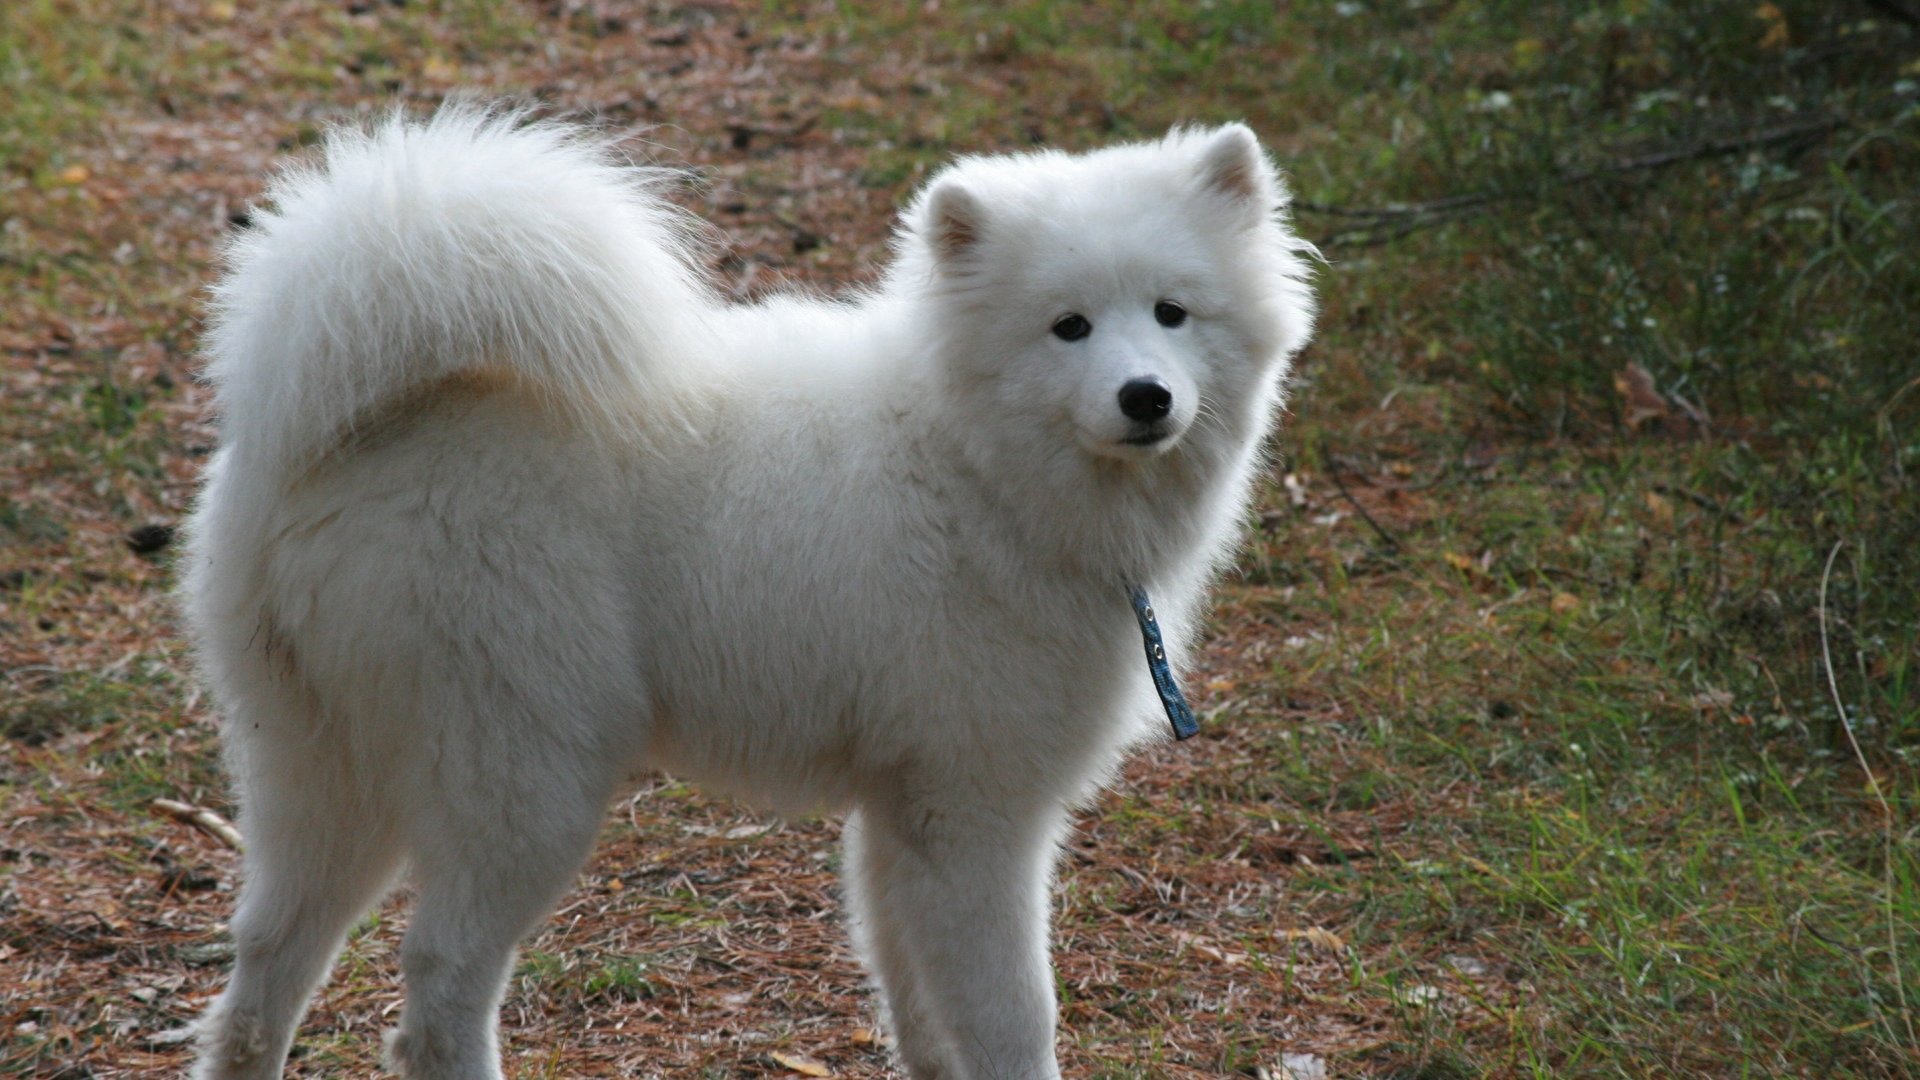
1146, 399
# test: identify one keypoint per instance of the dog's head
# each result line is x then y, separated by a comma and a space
1126, 296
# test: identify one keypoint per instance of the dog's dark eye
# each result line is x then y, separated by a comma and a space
1071, 327
1168, 313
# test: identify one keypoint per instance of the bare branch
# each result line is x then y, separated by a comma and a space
203, 819
1382, 224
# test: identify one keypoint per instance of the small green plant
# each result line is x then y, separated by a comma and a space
114, 409
579, 981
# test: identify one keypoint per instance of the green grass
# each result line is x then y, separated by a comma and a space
1689, 880
134, 744
1678, 845
581, 981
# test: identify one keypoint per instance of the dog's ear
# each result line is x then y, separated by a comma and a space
952, 222
1231, 164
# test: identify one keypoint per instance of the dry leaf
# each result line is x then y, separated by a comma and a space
1325, 939
1303, 1067
805, 1066
1644, 402
1417, 997
1319, 937
1712, 699
861, 1037
1661, 509
1776, 36
172, 1036
1204, 948
1296, 489
1470, 966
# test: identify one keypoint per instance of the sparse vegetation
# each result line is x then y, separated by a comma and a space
1561, 716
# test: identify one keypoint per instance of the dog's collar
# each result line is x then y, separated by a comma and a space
1184, 725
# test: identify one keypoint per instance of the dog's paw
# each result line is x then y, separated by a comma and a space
400, 1053
232, 1045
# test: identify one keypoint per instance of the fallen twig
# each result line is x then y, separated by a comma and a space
1387, 538
1879, 796
1381, 224
203, 819
1704, 502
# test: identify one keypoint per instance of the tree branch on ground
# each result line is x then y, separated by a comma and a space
1379, 225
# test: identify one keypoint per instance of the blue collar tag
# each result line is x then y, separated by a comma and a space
1184, 725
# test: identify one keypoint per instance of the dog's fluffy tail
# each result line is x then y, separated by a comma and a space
416, 251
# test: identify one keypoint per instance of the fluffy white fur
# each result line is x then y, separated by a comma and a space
510, 507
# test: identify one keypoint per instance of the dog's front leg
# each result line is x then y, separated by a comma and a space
951, 911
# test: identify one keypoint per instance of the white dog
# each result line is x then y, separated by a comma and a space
510, 507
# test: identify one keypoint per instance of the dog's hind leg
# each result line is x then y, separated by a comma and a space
958, 895
510, 822
320, 851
